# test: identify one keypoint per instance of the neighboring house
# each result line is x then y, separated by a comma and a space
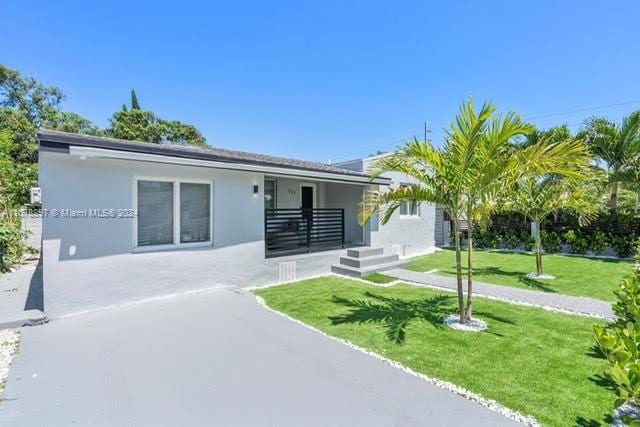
126, 220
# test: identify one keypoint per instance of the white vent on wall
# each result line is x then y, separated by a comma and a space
287, 271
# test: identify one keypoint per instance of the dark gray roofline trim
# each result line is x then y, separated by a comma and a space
57, 141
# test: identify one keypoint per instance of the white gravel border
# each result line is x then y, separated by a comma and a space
541, 276
472, 325
469, 395
9, 340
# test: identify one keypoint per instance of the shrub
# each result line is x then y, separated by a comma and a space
620, 343
12, 244
623, 245
528, 241
512, 239
598, 242
576, 242
485, 238
551, 241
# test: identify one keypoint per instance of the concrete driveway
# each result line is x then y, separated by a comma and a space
212, 358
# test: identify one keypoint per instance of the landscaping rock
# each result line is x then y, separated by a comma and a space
472, 325
627, 410
541, 276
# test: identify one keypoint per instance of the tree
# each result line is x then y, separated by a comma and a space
618, 147
462, 177
134, 101
466, 176
483, 141
25, 94
138, 125
569, 186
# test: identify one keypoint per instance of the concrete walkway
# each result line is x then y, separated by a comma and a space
213, 358
21, 296
581, 305
21, 293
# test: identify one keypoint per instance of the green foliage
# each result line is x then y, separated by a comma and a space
551, 241
620, 342
72, 122
135, 105
617, 146
37, 101
623, 245
528, 241
597, 242
379, 278
136, 125
12, 242
139, 125
484, 237
16, 178
577, 243
512, 239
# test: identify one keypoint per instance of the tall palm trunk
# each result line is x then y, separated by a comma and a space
538, 239
469, 309
613, 199
456, 235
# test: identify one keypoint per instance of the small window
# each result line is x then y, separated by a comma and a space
409, 208
270, 194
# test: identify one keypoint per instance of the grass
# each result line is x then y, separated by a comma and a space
589, 277
379, 278
534, 361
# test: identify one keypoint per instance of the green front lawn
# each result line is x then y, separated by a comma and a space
379, 278
531, 360
595, 278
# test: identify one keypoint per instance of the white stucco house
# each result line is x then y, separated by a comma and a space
126, 220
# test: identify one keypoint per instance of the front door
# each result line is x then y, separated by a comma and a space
307, 197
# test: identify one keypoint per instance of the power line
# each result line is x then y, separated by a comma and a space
581, 110
442, 132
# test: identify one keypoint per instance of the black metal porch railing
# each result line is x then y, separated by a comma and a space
296, 230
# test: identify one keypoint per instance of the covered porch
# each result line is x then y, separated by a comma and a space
303, 216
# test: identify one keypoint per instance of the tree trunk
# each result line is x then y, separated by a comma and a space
613, 200
469, 309
539, 271
456, 232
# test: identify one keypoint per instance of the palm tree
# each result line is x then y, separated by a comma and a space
438, 183
569, 185
466, 176
463, 177
618, 147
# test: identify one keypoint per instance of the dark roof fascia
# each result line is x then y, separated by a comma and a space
54, 141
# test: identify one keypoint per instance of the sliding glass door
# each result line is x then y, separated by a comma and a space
172, 213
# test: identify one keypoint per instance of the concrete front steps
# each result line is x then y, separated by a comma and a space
360, 262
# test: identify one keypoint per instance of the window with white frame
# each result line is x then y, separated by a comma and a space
172, 213
409, 208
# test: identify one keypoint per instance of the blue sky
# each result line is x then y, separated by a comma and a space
329, 80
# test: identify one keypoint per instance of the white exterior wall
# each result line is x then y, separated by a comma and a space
71, 183
90, 263
408, 235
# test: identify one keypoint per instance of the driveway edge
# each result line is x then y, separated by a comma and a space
445, 385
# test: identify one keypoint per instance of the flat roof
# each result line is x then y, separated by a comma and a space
61, 141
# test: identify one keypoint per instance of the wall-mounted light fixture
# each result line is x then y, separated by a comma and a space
256, 190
